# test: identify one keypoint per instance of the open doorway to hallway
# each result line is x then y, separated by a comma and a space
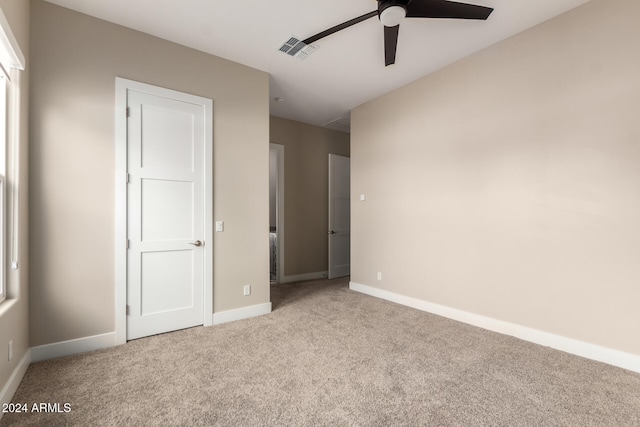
276, 212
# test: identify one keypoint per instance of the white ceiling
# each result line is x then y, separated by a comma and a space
348, 67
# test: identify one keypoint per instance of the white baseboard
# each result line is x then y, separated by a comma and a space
241, 313
569, 345
10, 388
305, 276
67, 348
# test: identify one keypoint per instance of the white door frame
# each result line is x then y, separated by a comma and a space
279, 150
122, 86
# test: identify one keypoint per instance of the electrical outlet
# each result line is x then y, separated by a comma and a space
10, 350
247, 290
379, 275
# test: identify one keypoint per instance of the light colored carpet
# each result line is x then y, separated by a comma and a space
330, 356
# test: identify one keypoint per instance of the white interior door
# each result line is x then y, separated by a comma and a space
165, 209
339, 216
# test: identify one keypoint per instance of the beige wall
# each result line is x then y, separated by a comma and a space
14, 314
306, 199
508, 184
76, 59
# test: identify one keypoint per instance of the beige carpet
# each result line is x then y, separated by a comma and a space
330, 356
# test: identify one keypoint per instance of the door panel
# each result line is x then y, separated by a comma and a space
161, 126
167, 212
168, 276
165, 152
339, 216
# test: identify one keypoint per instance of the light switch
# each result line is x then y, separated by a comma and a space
363, 197
219, 226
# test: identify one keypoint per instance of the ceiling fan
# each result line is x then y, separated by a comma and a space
392, 12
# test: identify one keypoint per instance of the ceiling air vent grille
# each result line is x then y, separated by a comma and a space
343, 124
296, 48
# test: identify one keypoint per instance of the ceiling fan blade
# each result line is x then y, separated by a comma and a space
390, 44
342, 26
446, 9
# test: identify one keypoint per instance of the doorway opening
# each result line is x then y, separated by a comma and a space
276, 212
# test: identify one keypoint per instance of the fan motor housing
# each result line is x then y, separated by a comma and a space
384, 4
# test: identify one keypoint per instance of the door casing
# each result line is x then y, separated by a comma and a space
122, 87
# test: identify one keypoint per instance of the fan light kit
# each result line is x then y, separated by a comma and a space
391, 13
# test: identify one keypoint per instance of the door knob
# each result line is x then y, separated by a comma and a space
332, 232
197, 243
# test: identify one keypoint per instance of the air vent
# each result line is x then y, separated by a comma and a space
343, 124
296, 48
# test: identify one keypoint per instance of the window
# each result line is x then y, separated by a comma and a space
3, 228
11, 62
3, 182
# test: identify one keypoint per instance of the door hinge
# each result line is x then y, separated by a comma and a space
128, 244
128, 178
127, 309
128, 112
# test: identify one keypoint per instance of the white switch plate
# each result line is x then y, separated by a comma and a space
219, 226
247, 290
363, 197
379, 275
